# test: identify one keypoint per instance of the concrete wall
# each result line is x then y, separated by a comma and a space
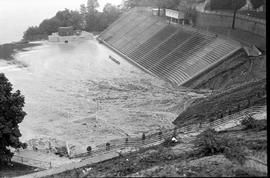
250, 24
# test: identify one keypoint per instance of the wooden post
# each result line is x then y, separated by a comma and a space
143, 137
238, 107
174, 132
160, 134
126, 141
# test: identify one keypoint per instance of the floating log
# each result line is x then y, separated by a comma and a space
114, 60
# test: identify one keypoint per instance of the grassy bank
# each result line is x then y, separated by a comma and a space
8, 50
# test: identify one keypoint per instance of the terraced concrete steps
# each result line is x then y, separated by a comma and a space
142, 37
164, 49
152, 42
172, 52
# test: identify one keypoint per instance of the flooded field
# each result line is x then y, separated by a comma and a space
74, 92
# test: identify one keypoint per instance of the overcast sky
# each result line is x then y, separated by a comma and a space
17, 15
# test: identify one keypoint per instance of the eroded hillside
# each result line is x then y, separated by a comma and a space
235, 70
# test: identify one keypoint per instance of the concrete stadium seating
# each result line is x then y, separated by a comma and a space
150, 44
172, 52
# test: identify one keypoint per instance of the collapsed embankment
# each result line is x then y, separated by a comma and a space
233, 71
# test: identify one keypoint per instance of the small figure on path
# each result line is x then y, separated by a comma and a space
35, 148
108, 146
89, 149
143, 137
174, 140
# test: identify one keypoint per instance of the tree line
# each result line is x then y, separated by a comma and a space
88, 19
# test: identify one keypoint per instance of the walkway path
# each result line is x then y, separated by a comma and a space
91, 160
40, 159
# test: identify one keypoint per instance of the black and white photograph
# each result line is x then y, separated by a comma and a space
133, 88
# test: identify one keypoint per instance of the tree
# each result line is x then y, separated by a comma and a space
11, 114
111, 13
76, 20
83, 9
69, 18
130, 3
258, 3
83, 12
34, 33
91, 6
48, 26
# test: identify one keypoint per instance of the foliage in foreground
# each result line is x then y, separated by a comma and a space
209, 143
250, 123
11, 114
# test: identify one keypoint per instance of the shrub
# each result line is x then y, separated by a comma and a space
168, 143
258, 145
124, 168
209, 143
160, 155
233, 150
250, 123
241, 172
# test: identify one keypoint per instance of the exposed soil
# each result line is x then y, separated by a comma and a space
233, 71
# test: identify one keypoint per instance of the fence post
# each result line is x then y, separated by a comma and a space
160, 134
238, 107
126, 141
174, 132
50, 164
22, 159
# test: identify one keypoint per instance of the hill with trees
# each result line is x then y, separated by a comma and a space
88, 19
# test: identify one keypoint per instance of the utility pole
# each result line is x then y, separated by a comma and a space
97, 104
68, 151
234, 13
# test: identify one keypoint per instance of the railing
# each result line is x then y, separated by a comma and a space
31, 162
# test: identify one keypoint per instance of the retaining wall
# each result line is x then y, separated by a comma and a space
222, 19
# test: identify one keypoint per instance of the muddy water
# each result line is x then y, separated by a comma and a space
75, 93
